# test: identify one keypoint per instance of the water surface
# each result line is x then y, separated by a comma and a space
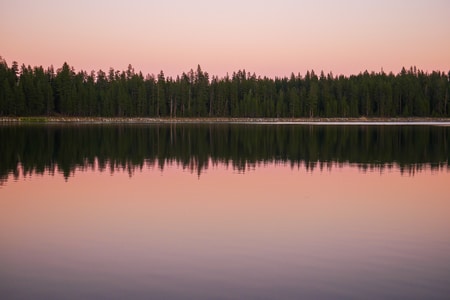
224, 212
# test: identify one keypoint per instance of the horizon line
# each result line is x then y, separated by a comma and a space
414, 69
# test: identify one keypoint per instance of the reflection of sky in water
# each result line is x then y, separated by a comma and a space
273, 232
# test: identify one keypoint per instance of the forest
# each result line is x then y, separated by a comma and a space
35, 91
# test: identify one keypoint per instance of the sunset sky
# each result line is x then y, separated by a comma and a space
272, 38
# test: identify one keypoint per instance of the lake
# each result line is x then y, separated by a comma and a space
224, 211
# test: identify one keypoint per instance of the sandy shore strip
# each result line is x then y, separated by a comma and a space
300, 121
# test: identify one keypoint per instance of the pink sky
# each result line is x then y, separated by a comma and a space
272, 38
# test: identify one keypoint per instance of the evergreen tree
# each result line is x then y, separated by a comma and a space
313, 97
35, 91
161, 95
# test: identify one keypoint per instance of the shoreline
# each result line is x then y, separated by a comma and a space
222, 120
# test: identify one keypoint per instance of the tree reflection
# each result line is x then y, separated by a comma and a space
30, 149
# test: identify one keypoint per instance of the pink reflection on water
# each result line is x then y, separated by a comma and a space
273, 228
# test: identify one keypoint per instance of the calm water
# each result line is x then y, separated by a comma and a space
224, 212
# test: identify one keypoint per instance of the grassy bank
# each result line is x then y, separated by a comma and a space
213, 120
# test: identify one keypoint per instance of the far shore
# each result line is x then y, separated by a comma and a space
208, 120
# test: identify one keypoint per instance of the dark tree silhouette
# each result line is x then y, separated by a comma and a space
37, 92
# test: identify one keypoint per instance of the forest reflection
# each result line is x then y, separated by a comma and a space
36, 149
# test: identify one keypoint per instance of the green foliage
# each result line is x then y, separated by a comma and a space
37, 92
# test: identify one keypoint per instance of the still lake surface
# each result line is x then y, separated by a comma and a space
224, 212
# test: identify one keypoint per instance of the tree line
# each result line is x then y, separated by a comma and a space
46, 148
35, 91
